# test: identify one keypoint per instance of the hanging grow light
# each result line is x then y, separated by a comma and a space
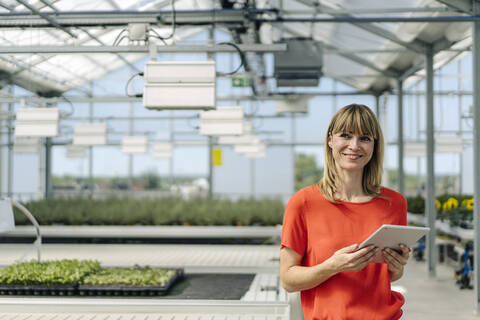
134, 144
237, 140
162, 149
452, 145
74, 151
223, 121
26, 145
90, 134
179, 85
294, 104
37, 122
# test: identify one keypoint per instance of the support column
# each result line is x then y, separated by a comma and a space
10, 147
210, 166
476, 153
211, 38
48, 167
130, 156
294, 138
400, 174
430, 208
1, 152
90, 148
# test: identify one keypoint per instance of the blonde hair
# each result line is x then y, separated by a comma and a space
358, 119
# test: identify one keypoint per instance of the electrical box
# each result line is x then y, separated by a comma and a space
301, 65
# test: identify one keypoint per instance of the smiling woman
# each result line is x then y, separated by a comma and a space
324, 223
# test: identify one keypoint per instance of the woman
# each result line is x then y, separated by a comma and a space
324, 223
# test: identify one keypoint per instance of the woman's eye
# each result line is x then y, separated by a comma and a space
344, 135
365, 139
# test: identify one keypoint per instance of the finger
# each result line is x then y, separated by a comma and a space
393, 264
395, 256
349, 249
405, 251
367, 258
363, 251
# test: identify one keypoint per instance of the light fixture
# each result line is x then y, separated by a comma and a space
452, 145
90, 134
37, 122
222, 121
179, 85
134, 144
249, 148
236, 140
162, 149
294, 104
255, 155
74, 151
26, 145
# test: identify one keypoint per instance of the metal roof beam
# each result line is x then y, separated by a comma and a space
436, 47
461, 5
46, 17
416, 45
259, 48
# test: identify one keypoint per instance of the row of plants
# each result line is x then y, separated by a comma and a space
82, 272
163, 211
456, 209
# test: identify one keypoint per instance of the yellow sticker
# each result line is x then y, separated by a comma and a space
217, 157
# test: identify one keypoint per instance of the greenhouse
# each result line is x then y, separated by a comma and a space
152, 151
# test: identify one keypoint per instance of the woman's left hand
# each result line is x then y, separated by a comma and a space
396, 261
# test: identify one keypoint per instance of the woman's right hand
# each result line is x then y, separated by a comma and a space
352, 259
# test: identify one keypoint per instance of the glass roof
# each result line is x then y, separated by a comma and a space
365, 56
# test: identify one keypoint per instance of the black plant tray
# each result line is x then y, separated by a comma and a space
89, 290
38, 290
121, 290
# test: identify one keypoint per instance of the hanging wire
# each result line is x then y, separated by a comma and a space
174, 23
119, 39
242, 59
157, 36
136, 95
72, 108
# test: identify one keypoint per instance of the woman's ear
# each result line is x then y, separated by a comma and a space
329, 140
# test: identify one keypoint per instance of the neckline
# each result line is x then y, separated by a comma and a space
347, 202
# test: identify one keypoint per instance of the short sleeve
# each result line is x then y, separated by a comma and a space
294, 231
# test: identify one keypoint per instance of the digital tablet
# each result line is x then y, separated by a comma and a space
390, 236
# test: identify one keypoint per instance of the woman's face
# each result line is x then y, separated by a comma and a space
350, 151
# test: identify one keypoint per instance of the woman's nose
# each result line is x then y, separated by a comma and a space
354, 143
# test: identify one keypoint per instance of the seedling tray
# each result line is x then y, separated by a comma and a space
123, 290
38, 290
90, 290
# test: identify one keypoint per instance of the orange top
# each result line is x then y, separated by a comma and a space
315, 228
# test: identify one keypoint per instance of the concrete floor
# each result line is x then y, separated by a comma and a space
437, 298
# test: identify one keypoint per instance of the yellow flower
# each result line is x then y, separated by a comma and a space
439, 205
451, 203
470, 204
